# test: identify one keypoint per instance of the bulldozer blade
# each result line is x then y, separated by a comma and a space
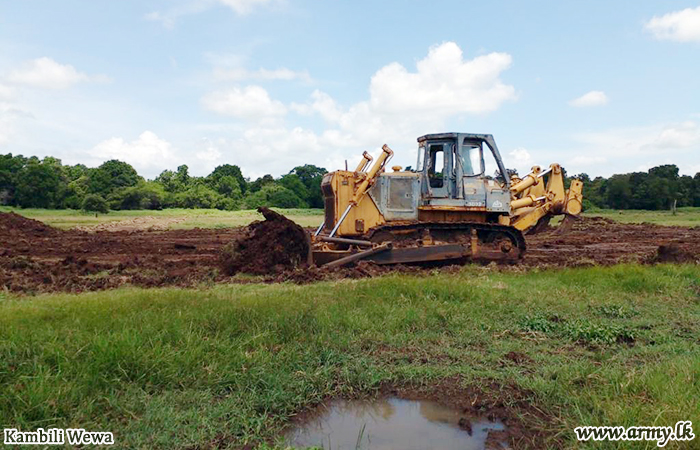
541, 225
414, 255
566, 224
360, 255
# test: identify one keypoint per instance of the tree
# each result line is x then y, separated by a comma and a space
227, 170
258, 184
201, 196
696, 189
273, 194
39, 185
95, 203
311, 176
228, 186
292, 182
9, 169
618, 192
112, 175
76, 192
145, 195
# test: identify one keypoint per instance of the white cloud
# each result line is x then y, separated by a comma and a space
10, 116
170, 17
620, 149
322, 104
240, 74
243, 7
403, 103
443, 83
520, 159
6, 92
592, 98
585, 160
48, 74
681, 135
5, 124
251, 102
680, 26
442, 86
148, 153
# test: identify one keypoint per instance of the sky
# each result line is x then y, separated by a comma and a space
600, 87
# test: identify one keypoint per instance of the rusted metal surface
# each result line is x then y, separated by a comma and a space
357, 242
373, 252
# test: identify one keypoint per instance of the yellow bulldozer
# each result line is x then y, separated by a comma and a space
445, 210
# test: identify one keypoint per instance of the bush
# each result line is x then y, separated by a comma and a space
95, 203
588, 205
200, 196
147, 195
588, 332
276, 196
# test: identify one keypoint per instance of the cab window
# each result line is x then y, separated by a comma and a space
471, 159
436, 167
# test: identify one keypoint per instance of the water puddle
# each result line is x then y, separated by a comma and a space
391, 424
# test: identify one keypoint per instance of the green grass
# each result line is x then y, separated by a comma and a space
229, 365
213, 218
191, 218
686, 217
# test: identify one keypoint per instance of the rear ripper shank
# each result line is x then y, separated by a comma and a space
446, 210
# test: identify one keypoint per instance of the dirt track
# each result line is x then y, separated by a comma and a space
38, 258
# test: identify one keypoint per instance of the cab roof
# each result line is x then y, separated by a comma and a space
440, 136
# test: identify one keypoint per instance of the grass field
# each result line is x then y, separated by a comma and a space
229, 365
687, 217
213, 218
191, 218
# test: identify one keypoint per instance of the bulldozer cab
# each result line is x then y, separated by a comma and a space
452, 169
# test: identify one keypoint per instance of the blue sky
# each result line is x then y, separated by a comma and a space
600, 87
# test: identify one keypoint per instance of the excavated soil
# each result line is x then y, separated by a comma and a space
37, 258
601, 241
273, 245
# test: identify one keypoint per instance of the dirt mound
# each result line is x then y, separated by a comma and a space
14, 224
602, 241
148, 223
674, 253
273, 245
37, 258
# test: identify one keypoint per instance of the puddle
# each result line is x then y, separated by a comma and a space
391, 424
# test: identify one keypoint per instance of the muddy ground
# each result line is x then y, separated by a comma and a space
37, 258
527, 425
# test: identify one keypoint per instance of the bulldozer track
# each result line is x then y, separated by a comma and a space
459, 232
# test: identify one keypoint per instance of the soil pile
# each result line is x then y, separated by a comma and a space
37, 258
271, 246
674, 253
15, 225
602, 241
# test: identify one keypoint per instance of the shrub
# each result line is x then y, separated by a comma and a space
276, 196
201, 196
95, 203
585, 331
538, 322
147, 195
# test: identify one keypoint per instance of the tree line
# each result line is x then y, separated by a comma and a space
659, 188
47, 183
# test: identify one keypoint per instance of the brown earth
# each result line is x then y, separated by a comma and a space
273, 245
37, 258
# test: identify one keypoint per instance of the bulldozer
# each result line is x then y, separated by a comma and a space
446, 210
